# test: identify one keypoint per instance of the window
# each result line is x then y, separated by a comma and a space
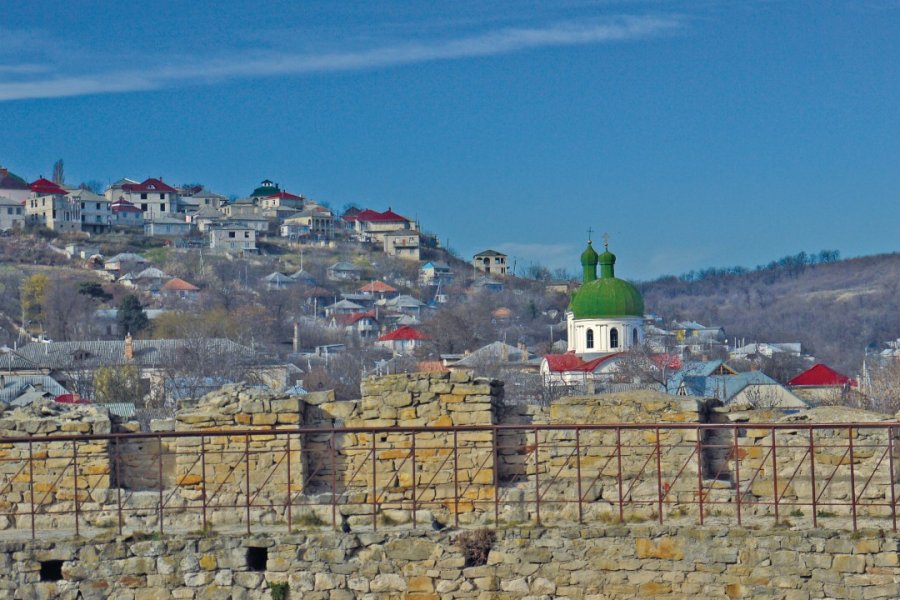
162, 208
246, 234
54, 213
613, 338
144, 207
98, 206
143, 196
634, 337
82, 206
231, 234
590, 338
162, 196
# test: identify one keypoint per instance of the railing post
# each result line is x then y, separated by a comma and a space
31, 485
537, 478
203, 479
812, 478
333, 449
852, 475
374, 487
75, 469
700, 471
118, 484
415, 506
159, 446
775, 474
659, 493
578, 472
619, 474
495, 442
247, 478
891, 477
737, 472
455, 478
290, 499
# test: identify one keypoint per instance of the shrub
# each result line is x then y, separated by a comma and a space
476, 545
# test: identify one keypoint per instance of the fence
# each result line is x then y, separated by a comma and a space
833, 475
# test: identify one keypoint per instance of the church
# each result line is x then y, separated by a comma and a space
605, 318
606, 314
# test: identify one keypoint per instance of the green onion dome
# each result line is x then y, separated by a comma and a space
607, 296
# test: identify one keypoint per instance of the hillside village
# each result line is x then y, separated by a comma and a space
146, 295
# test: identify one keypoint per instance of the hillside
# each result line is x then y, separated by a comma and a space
835, 309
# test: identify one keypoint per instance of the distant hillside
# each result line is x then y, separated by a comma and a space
834, 307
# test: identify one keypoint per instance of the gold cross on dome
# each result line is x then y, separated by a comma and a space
606, 241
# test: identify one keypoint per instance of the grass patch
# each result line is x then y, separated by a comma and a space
278, 591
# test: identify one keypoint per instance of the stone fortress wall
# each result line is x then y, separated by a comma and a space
460, 477
591, 562
328, 477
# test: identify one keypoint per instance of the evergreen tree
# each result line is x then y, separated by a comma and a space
131, 316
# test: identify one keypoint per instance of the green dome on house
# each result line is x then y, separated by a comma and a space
608, 296
266, 188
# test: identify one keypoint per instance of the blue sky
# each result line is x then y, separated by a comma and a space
696, 133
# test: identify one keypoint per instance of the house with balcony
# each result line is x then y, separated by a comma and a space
152, 196
491, 262
96, 211
51, 206
402, 244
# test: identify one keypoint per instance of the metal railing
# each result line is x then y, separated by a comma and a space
833, 475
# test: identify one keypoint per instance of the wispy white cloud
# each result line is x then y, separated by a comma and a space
257, 64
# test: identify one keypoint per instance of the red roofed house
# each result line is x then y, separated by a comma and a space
379, 289
821, 383
402, 340
180, 288
126, 214
569, 369
152, 196
49, 205
370, 226
363, 324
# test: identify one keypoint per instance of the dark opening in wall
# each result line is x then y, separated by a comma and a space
257, 558
51, 570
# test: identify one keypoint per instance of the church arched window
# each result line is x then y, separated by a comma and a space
634, 337
589, 341
613, 338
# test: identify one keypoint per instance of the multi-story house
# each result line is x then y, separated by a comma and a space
402, 244
96, 211
370, 226
126, 215
490, 261
282, 199
12, 214
232, 238
152, 196
12, 186
51, 206
314, 222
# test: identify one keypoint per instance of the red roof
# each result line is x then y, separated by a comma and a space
821, 375
403, 333
176, 284
560, 363
149, 185
71, 399
45, 187
670, 362
285, 196
353, 318
123, 205
377, 287
373, 216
